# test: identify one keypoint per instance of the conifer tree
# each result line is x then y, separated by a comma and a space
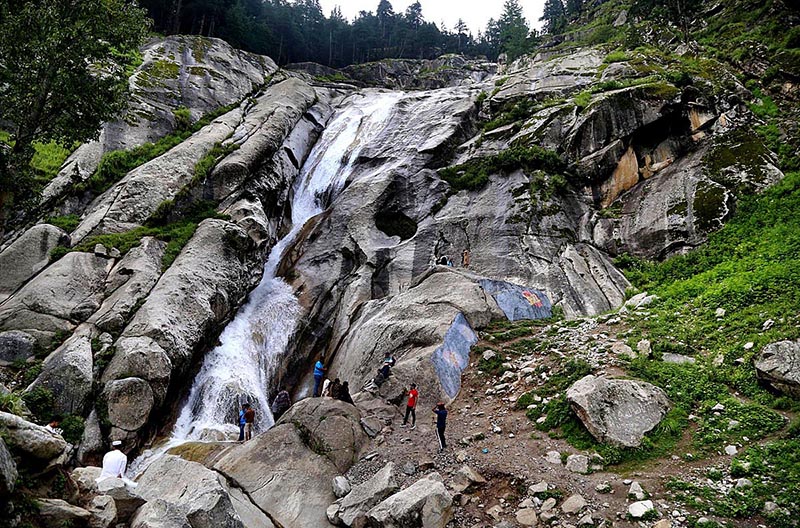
554, 16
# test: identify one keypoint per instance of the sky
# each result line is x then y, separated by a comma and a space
475, 13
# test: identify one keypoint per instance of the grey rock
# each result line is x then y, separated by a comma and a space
367, 495
467, 478
778, 365
67, 374
85, 480
159, 513
430, 74
341, 486
201, 494
332, 513
27, 256
34, 442
92, 442
731, 450
57, 512
676, 358
527, 517
617, 411
332, 426
293, 487
128, 283
573, 504
639, 509
103, 510
8, 471
743, 483
198, 73
66, 293
578, 464
193, 297
539, 487
636, 491
553, 457
15, 346
426, 503
127, 499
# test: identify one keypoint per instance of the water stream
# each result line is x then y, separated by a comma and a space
242, 366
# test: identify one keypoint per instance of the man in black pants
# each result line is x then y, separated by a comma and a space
411, 406
441, 422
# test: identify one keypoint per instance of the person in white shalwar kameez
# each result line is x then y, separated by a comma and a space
114, 464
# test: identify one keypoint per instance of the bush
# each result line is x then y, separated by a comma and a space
40, 401
183, 118
67, 222
474, 174
72, 429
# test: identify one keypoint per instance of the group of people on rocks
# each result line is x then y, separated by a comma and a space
336, 389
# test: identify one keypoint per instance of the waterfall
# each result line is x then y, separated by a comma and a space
242, 366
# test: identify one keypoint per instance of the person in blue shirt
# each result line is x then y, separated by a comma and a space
242, 421
319, 373
441, 422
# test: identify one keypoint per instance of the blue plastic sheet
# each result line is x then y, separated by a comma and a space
518, 302
452, 357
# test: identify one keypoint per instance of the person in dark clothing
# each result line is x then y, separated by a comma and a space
249, 422
344, 393
411, 406
242, 421
281, 404
441, 423
335, 388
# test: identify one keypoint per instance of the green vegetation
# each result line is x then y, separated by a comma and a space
332, 78
12, 402
183, 118
67, 222
616, 56
210, 160
72, 429
116, 164
582, 99
40, 402
474, 174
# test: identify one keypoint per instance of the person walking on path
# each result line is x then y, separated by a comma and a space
249, 419
411, 406
441, 423
281, 404
319, 373
242, 421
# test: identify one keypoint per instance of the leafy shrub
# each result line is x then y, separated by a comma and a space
616, 56
72, 429
583, 99
183, 118
40, 401
474, 174
67, 222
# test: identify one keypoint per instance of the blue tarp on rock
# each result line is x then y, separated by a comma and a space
518, 302
452, 357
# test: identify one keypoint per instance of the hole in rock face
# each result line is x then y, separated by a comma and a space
395, 223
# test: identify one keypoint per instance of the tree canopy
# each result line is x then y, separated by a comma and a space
62, 73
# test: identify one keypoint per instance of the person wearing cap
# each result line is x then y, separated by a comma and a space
114, 463
441, 422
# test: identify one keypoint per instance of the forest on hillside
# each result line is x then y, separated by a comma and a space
299, 31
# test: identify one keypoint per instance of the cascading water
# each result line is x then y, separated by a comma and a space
241, 368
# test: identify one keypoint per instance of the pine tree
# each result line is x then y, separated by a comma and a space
574, 8
554, 16
513, 29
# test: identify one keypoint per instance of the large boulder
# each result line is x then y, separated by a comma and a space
201, 494
128, 283
283, 476
66, 293
191, 300
8, 471
778, 365
197, 73
27, 256
424, 504
127, 498
159, 513
33, 442
57, 512
332, 426
16, 346
365, 496
67, 373
618, 411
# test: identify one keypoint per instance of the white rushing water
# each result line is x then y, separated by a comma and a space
242, 366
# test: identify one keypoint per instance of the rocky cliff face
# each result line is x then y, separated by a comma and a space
122, 321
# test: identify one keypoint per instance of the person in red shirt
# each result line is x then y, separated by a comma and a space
411, 406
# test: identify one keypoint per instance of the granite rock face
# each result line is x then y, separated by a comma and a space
778, 365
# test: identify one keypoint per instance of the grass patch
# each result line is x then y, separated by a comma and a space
67, 222
474, 174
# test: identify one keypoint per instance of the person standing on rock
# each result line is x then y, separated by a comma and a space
242, 421
441, 423
249, 420
465, 258
319, 373
411, 406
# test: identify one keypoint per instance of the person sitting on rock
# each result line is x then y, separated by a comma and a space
281, 404
326, 388
55, 421
344, 393
115, 462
